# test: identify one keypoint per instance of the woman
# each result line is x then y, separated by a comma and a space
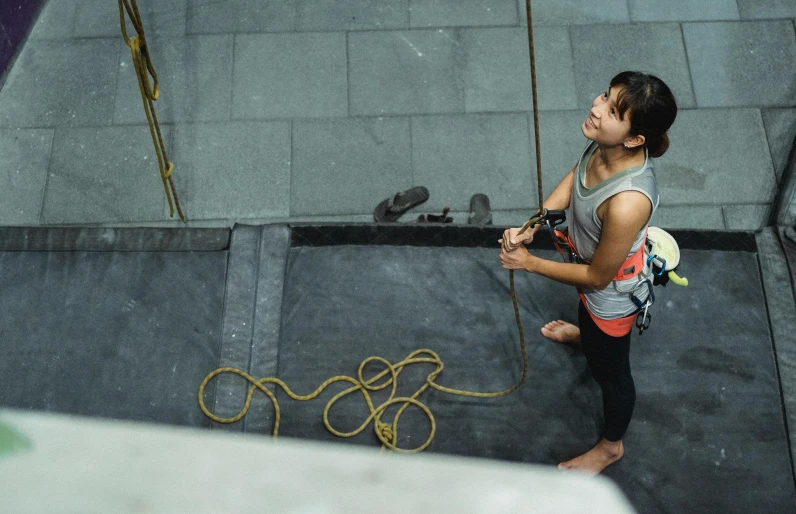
612, 194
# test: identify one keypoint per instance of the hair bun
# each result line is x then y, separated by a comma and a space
658, 147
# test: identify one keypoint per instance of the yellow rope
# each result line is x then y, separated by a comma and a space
143, 70
387, 433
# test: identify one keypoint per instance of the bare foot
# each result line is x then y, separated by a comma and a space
562, 332
596, 459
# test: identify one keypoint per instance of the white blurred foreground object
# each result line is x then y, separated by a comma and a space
60, 464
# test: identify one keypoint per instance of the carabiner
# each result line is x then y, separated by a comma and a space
658, 262
546, 217
650, 299
644, 318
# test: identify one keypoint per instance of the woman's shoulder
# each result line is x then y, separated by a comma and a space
629, 204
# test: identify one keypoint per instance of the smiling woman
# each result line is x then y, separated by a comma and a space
651, 105
612, 193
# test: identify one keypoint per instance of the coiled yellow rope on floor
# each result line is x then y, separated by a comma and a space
387, 433
143, 70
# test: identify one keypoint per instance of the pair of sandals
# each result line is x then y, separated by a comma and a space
391, 209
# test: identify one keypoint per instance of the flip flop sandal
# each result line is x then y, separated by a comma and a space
436, 218
393, 208
480, 214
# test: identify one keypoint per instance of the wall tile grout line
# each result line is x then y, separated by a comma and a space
291, 165
46, 177
393, 115
578, 88
777, 179
465, 27
411, 154
520, 14
688, 65
117, 66
232, 78
348, 72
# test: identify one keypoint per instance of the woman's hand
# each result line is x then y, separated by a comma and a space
511, 241
518, 258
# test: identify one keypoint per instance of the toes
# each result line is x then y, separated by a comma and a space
549, 329
553, 324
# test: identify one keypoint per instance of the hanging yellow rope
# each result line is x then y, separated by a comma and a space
388, 433
143, 69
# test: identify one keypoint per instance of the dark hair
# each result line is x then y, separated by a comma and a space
651, 107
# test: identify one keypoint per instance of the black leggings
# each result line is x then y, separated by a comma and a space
609, 362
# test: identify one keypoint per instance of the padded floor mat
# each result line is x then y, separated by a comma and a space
130, 335
118, 335
707, 433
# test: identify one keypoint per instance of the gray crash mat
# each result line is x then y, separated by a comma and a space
125, 335
707, 434
129, 331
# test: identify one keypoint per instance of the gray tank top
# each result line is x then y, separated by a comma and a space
585, 228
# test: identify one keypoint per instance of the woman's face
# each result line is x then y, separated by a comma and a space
603, 125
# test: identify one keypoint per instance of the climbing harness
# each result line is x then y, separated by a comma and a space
387, 433
659, 252
149, 93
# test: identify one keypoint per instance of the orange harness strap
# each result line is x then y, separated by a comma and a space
613, 327
632, 266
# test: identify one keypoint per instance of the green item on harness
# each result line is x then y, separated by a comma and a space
663, 246
11, 441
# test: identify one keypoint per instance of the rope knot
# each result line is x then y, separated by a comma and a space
385, 431
135, 44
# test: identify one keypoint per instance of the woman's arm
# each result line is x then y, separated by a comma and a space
625, 215
561, 195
